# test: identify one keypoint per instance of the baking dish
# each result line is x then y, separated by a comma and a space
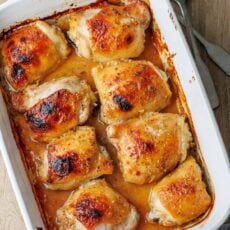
209, 139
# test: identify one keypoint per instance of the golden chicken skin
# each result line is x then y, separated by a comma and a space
55, 106
128, 88
150, 146
96, 206
109, 32
31, 52
180, 197
74, 158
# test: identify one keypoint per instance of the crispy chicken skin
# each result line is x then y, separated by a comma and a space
128, 88
55, 106
150, 146
96, 206
31, 52
180, 197
74, 158
110, 32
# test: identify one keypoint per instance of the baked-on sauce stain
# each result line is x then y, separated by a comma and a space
129, 39
61, 165
21, 57
90, 211
140, 145
17, 71
48, 107
122, 103
36, 122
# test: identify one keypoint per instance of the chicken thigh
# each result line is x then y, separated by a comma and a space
56, 106
180, 197
96, 206
109, 32
150, 146
74, 158
31, 52
128, 88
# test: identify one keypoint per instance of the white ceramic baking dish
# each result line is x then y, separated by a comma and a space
209, 138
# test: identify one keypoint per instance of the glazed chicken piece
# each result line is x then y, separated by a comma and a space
74, 158
31, 52
96, 206
128, 88
180, 197
56, 106
108, 32
150, 146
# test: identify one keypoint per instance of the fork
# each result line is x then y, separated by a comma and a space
217, 54
203, 69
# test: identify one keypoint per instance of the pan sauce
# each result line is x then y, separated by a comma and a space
50, 200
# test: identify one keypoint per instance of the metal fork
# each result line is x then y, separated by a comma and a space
216, 53
203, 69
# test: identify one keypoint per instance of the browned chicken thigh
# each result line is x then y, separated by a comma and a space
31, 52
180, 197
96, 206
109, 32
55, 106
150, 146
74, 158
128, 88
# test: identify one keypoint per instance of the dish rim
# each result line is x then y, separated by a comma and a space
188, 84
